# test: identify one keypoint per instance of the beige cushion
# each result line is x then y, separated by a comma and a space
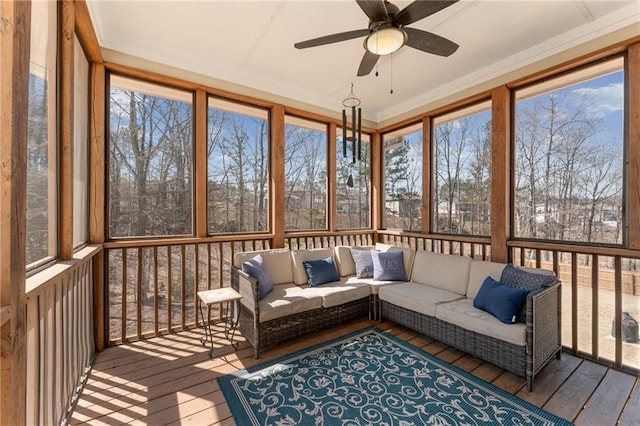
344, 260
338, 292
298, 256
479, 271
373, 284
408, 255
416, 297
277, 262
463, 314
445, 271
285, 300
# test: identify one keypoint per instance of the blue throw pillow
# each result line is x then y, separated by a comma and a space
530, 281
363, 261
500, 300
320, 271
255, 267
388, 266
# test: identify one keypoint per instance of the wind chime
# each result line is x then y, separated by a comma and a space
355, 138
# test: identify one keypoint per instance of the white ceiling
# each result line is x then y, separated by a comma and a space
250, 43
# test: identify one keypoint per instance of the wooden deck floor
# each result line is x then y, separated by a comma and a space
172, 380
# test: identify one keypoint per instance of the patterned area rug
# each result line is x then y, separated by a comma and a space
370, 377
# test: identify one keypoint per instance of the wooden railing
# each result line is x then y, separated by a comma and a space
306, 240
598, 285
153, 284
475, 247
60, 340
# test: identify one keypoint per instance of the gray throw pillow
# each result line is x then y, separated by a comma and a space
530, 281
256, 268
363, 261
388, 266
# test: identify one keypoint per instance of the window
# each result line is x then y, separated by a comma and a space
41, 241
150, 159
403, 178
353, 184
80, 145
305, 172
569, 157
237, 167
462, 171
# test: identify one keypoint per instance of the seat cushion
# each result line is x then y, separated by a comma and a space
445, 271
463, 314
416, 297
338, 292
298, 256
375, 285
285, 300
277, 262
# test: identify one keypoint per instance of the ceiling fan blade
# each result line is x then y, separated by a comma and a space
333, 38
420, 9
374, 9
429, 42
369, 60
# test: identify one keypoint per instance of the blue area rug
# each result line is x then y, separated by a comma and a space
370, 377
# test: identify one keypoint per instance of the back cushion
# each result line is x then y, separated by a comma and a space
479, 271
298, 256
408, 255
344, 261
446, 271
277, 262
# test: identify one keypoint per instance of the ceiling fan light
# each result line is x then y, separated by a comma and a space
385, 40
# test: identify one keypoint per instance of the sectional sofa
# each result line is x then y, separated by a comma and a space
435, 297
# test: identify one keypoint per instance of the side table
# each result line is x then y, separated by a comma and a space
224, 296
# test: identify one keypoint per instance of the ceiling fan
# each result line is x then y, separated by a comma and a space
388, 31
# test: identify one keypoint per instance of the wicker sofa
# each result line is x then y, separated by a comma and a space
292, 308
436, 300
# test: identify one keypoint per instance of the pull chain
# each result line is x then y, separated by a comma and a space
391, 91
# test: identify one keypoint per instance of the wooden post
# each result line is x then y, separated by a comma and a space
200, 164
15, 23
66, 36
377, 204
633, 152
427, 144
276, 177
97, 194
332, 209
500, 173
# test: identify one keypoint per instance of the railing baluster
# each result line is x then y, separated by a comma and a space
156, 298
183, 286
595, 306
196, 284
574, 303
618, 309
123, 325
169, 289
140, 296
